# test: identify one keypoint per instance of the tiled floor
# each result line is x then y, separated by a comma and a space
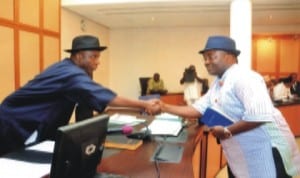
223, 172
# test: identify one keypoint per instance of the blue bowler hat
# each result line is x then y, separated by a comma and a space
221, 43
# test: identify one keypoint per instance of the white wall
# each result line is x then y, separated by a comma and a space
144, 51
141, 52
133, 53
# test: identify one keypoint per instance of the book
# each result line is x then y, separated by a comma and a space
122, 142
213, 116
166, 124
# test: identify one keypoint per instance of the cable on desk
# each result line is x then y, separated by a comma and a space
156, 160
160, 147
157, 168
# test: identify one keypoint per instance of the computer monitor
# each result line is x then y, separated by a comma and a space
78, 148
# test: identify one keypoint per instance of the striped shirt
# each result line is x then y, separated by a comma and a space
242, 94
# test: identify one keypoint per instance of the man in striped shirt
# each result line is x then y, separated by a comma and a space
259, 144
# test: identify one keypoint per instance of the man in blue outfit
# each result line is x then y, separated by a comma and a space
47, 101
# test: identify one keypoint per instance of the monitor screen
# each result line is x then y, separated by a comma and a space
78, 148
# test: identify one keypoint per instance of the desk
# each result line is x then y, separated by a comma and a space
138, 164
201, 158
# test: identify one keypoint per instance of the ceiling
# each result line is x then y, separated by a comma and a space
176, 13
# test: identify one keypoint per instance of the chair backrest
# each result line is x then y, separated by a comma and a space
144, 85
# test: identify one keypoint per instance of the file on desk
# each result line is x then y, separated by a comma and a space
166, 124
122, 142
213, 116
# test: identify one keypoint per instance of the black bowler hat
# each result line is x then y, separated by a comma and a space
85, 42
221, 43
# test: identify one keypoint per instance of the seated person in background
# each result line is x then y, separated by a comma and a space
295, 85
192, 85
156, 85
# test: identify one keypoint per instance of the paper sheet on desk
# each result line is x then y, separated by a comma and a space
168, 116
123, 119
13, 168
166, 124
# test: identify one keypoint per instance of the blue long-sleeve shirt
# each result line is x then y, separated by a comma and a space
47, 101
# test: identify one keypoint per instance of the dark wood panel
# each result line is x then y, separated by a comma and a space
173, 98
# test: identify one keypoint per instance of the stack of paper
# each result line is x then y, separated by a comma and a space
27, 168
124, 119
166, 124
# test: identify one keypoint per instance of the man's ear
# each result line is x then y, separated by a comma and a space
231, 58
78, 55
77, 58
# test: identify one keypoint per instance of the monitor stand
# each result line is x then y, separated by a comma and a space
108, 175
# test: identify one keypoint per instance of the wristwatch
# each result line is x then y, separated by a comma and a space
227, 132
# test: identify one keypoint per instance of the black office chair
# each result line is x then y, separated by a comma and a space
144, 85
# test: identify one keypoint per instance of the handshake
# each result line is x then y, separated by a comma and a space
154, 106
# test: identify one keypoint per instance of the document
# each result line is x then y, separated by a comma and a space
122, 142
214, 116
15, 165
124, 119
166, 124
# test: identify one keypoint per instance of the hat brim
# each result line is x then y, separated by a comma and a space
235, 52
102, 48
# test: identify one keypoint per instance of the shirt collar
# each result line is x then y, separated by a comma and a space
226, 73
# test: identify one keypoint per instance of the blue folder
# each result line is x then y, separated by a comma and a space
213, 117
